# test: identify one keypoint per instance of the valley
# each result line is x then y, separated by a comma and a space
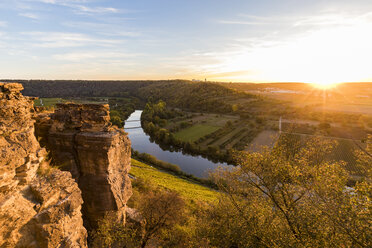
181, 158
248, 125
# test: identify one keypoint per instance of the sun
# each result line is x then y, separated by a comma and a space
324, 85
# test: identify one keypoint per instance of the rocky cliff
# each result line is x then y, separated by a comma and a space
39, 206
81, 140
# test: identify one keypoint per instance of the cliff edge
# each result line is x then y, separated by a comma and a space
40, 206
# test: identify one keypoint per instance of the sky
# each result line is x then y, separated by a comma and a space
236, 40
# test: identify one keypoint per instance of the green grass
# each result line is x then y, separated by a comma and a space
195, 132
47, 102
190, 191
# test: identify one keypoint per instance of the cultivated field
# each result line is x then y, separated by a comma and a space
215, 130
195, 132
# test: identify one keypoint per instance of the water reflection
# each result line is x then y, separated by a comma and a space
195, 165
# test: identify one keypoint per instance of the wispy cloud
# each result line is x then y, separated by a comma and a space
61, 39
30, 15
96, 55
240, 22
61, 1
333, 19
94, 10
296, 20
81, 7
3, 24
123, 33
105, 29
246, 19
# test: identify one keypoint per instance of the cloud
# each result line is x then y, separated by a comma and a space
240, 22
30, 15
244, 19
323, 48
229, 75
3, 24
330, 18
61, 1
105, 29
333, 19
96, 55
312, 47
94, 10
122, 33
79, 8
61, 39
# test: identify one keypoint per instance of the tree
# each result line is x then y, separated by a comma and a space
111, 233
160, 210
364, 158
289, 198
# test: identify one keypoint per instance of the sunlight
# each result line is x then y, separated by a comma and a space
324, 85
324, 56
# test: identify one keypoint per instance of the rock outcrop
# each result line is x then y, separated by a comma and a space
40, 206
81, 140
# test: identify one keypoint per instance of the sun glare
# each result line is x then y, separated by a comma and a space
324, 85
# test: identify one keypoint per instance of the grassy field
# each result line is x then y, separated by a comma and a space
190, 191
47, 102
195, 132
215, 130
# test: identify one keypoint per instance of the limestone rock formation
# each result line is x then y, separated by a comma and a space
39, 205
81, 140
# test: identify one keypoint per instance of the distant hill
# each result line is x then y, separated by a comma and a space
194, 96
344, 88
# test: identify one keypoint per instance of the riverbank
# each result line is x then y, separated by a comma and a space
141, 142
154, 120
171, 168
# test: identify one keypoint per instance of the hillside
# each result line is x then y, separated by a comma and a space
190, 191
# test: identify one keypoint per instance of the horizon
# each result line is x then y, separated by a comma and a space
6, 80
240, 41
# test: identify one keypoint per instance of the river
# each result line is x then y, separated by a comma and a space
195, 165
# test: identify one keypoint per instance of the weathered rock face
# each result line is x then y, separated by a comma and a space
81, 139
39, 206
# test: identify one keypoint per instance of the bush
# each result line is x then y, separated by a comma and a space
117, 121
